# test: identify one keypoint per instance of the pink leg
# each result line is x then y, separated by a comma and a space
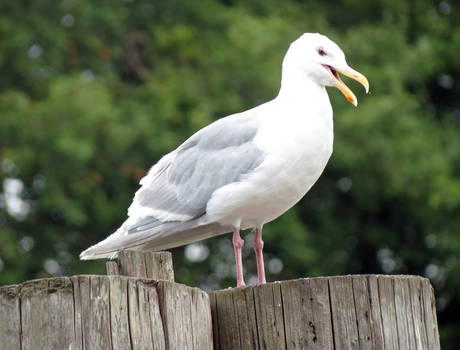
258, 246
237, 245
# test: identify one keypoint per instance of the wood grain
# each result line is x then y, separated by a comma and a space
10, 317
130, 310
37, 299
104, 312
344, 312
153, 265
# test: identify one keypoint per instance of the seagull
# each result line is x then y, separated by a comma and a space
244, 170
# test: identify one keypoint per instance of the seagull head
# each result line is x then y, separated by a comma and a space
319, 58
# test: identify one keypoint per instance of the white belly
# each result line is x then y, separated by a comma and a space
296, 155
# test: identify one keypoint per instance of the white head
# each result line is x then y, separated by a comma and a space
319, 58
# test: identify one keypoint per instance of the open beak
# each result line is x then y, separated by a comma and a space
351, 73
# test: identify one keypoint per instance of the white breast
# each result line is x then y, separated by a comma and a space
297, 148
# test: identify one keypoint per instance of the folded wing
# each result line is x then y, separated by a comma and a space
180, 185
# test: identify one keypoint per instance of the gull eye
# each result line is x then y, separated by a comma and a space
321, 51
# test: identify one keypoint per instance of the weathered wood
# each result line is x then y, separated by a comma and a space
312, 302
366, 297
429, 312
153, 265
104, 312
37, 298
112, 268
130, 310
388, 312
10, 318
343, 312
269, 316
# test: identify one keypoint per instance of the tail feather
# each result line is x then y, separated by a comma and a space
165, 236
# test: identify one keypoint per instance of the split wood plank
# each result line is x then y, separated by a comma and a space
10, 317
153, 265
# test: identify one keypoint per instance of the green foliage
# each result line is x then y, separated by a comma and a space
92, 93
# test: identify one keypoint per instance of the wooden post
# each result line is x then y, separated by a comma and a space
107, 312
344, 312
130, 310
152, 265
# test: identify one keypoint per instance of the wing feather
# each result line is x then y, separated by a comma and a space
179, 186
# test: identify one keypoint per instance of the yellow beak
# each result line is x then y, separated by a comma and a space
351, 73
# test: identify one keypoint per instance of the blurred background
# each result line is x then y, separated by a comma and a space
92, 93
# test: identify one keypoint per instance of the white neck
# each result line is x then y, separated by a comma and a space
296, 85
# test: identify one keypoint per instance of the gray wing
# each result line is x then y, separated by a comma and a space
180, 185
